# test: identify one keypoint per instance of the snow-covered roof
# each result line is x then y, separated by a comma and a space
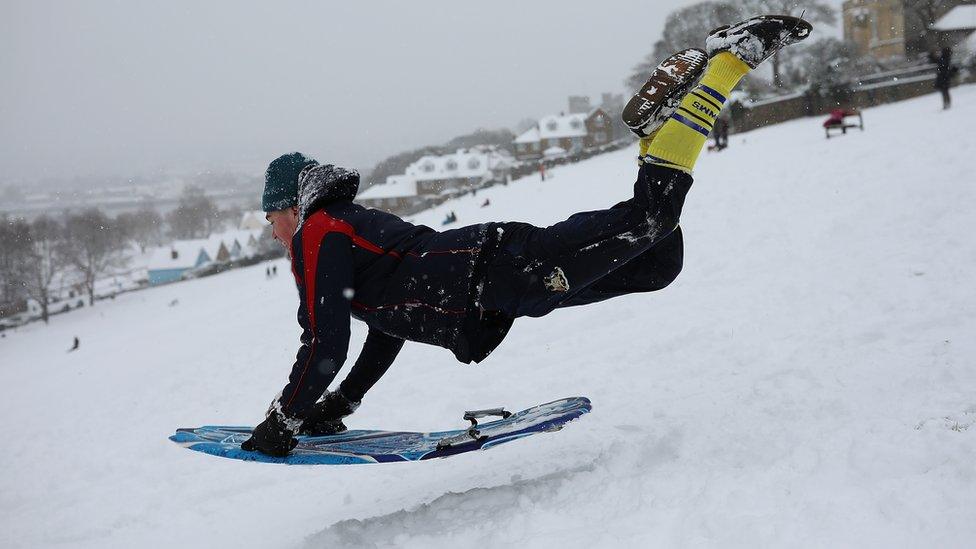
556, 126
958, 18
529, 136
463, 163
213, 243
181, 254
242, 236
396, 186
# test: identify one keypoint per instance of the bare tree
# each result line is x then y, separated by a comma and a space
46, 261
826, 63
92, 246
684, 28
525, 125
194, 217
920, 15
14, 255
229, 217
815, 11
144, 227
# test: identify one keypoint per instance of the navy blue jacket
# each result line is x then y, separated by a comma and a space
404, 281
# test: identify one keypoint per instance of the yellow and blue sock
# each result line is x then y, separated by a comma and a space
681, 138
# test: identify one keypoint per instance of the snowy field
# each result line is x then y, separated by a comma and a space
809, 380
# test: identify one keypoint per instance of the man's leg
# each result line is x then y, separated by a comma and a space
680, 140
652, 270
536, 269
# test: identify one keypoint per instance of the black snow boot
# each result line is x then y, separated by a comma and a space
326, 415
660, 96
758, 38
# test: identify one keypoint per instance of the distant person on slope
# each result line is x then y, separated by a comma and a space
462, 289
944, 71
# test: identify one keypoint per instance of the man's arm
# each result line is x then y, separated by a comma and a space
328, 280
324, 317
379, 352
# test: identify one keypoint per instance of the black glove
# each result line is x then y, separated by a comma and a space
271, 437
325, 417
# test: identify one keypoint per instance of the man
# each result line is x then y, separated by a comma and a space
462, 289
944, 71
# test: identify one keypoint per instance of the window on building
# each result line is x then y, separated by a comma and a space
474, 164
575, 124
428, 167
451, 165
552, 125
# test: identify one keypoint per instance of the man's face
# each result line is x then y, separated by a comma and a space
284, 223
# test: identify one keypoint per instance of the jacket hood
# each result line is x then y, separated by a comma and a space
324, 184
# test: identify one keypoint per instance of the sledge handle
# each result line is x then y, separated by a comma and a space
475, 414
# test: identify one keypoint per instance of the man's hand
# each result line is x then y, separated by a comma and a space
271, 437
325, 416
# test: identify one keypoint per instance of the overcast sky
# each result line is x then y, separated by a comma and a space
133, 87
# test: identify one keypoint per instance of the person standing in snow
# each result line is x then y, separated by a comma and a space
463, 288
944, 72
720, 131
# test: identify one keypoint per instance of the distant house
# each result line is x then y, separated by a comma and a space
170, 263
528, 145
453, 174
876, 27
956, 28
398, 194
241, 244
217, 248
572, 133
894, 29
253, 221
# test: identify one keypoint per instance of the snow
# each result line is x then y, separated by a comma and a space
958, 18
808, 381
396, 186
463, 163
180, 254
563, 125
530, 135
746, 45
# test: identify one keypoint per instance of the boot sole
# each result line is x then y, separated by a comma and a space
732, 38
660, 96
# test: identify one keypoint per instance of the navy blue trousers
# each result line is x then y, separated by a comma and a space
635, 246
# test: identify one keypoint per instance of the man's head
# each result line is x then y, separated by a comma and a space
284, 223
280, 199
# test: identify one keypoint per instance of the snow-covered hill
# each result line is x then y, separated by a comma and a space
809, 380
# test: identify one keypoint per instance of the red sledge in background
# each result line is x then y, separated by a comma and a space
842, 119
